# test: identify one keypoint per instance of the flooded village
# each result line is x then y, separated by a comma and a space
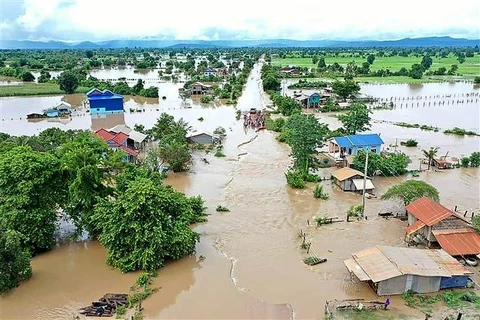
251, 260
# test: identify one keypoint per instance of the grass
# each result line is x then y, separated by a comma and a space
34, 89
364, 315
470, 66
451, 299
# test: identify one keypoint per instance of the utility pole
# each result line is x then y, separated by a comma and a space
364, 184
396, 139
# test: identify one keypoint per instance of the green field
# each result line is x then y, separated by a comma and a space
34, 89
471, 66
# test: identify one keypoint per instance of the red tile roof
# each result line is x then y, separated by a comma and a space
460, 243
428, 211
120, 138
130, 151
104, 134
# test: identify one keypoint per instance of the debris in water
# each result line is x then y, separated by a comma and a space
105, 306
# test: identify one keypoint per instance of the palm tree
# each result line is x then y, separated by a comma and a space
430, 154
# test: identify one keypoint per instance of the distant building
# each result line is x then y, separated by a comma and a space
64, 107
200, 138
35, 115
349, 179
200, 88
136, 140
435, 224
51, 113
104, 101
118, 141
210, 72
392, 270
351, 145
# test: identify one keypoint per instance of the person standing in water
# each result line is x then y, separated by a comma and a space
387, 303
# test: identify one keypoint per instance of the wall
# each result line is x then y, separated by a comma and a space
401, 284
392, 286
425, 284
202, 139
454, 282
107, 104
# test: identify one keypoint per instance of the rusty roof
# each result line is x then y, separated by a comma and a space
428, 211
459, 243
384, 262
415, 227
345, 173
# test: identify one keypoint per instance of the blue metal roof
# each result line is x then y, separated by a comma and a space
96, 94
359, 140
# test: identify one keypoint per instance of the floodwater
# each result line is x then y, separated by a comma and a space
253, 265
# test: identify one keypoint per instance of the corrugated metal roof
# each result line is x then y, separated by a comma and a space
371, 139
415, 227
352, 266
359, 184
428, 211
459, 243
345, 173
385, 262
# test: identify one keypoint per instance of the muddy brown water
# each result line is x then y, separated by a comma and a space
253, 267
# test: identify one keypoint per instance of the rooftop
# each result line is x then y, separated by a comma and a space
384, 262
459, 241
132, 134
345, 173
428, 211
359, 140
97, 94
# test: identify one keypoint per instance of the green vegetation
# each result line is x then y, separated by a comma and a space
312, 260
14, 260
305, 84
355, 211
346, 89
451, 299
295, 179
472, 161
409, 143
460, 132
32, 89
207, 99
411, 190
318, 193
416, 125
276, 124
222, 209
391, 164
357, 119
430, 155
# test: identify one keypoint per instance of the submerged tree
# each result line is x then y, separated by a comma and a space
14, 260
68, 81
357, 119
430, 155
411, 190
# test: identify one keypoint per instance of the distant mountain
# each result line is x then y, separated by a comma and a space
271, 43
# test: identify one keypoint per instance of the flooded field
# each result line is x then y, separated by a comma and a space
253, 266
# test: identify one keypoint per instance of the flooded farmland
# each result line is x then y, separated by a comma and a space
253, 266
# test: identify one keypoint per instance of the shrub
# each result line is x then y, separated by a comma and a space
318, 192
460, 132
275, 125
222, 209
295, 179
475, 159
465, 162
410, 143
206, 99
355, 211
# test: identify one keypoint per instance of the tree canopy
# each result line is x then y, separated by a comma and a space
357, 119
411, 190
14, 260
391, 164
68, 81
345, 89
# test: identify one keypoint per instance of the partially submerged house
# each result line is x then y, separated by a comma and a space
349, 179
339, 147
64, 108
104, 101
393, 270
136, 140
441, 163
200, 138
434, 224
118, 141
200, 88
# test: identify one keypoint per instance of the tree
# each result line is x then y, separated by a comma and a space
146, 225
426, 62
271, 82
357, 119
370, 58
89, 54
475, 159
174, 150
430, 154
416, 71
411, 190
68, 81
151, 92
392, 164
315, 59
44, 76
28, 77
30, 184
166, 125
321, 63
345, 89
304, 134
14, 260
138, 87
476, 80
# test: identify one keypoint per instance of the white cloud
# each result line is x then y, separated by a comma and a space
255, 19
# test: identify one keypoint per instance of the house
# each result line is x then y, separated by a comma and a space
51, 113
64, 108
200, 88
302, 99
118, 141
393, 270
200, 138
35, 115
339, 147
433, 224
210, 72
314, 100
349, 179
104, 101
222, 72
441, 164
136, 140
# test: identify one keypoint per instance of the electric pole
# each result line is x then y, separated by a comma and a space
364, 184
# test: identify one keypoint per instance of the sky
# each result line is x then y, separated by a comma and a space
96, 20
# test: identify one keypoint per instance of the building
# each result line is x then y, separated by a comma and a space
104, 101
210, 72
64, 108
302, 99
339, 147
200, 138
118, 141
136, 140
200, 88
393, 270
35, 115
51, 113
435, 225
314, 100
349, 179
441, 164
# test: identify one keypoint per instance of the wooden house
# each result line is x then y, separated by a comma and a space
349, 179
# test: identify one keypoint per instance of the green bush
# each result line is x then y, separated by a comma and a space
207, 99
275, 125
295, 179
355, 211
410, 143
222, 209
460, 132
310, 177
318, 192
465, 162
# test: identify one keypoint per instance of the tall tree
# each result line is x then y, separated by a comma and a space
357, 119
30, 184
321, 63
370, 58
426, 62
304, 134
416, 71
68, 81
174, 150
430, 155
345, 89
411, 190
145, 226
14, 260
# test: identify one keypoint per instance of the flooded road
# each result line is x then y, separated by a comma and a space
253, 267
